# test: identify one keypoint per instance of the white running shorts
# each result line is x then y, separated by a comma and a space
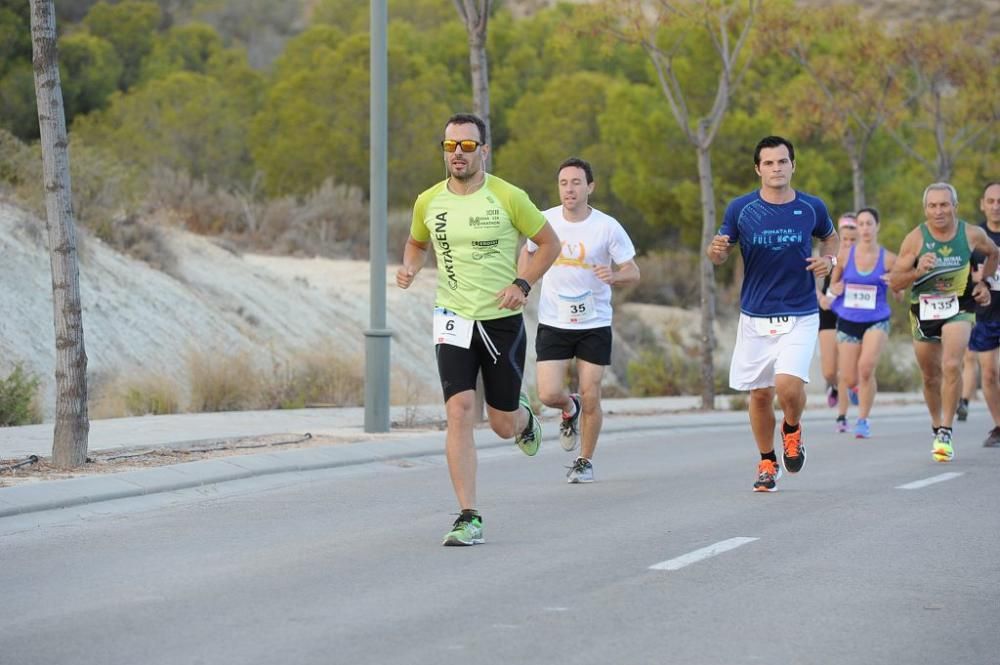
758, 355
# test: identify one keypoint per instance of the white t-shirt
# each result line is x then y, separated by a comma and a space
572, 297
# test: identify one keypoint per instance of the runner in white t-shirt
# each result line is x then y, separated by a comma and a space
574, 310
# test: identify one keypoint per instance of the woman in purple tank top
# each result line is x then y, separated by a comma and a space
860, 282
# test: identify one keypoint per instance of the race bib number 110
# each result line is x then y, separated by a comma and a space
769, 326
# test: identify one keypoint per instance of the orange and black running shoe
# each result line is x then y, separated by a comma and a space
794, 454
767, 476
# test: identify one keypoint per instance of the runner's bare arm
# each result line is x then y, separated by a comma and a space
532, 269
414, 257
981, 243
907, 267
522, 258
718, 250
890, 262
822, 265
627, 273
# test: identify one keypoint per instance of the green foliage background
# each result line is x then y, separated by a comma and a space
262, 101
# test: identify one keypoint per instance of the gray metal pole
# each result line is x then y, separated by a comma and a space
377, 338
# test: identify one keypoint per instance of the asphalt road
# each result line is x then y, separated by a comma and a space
873, 554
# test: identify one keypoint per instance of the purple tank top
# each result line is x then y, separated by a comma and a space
864, 298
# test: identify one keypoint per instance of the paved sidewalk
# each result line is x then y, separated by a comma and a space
347, 424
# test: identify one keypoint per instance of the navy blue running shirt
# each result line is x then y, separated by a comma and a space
775, 241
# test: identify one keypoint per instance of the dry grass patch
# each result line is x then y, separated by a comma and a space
141, 395
221, 382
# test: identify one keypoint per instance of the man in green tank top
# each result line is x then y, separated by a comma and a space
934, 260
474, 221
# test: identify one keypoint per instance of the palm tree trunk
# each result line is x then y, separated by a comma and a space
72, 426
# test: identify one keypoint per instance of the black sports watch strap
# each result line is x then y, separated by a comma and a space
523, 285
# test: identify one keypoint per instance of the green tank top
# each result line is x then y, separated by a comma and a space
953, 270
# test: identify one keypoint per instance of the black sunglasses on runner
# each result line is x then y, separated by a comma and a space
467, 145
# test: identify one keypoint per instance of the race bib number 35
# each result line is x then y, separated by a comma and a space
576, 309
450, 328
935, 308
769, 326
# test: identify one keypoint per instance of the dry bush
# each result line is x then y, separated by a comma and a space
135, 395
398, 232
140, 239
20, 401
332, 222
199, 206
20, 165
223, 382
315, 378
668, 277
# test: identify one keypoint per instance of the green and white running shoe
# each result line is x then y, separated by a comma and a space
529, 440
942, 450
467, 530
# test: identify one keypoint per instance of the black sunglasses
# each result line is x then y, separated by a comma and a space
468, 145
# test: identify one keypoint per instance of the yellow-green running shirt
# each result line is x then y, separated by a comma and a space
475, 241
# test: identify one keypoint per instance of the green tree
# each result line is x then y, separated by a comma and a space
849, 87
953, 79
18, 113
130, 26
313, 124
90, 69
572, 105
15, 35
186, 121
186, 48
668, 33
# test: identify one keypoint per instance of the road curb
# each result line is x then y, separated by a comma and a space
67, 493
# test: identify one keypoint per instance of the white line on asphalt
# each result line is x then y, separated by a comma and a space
917, 484
703, 553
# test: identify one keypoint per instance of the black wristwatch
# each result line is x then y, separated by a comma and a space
523, 285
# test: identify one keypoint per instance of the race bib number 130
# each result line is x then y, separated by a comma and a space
860, 296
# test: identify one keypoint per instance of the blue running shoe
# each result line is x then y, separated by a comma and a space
862, 430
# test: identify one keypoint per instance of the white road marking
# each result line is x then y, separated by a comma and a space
703, 553
917, 484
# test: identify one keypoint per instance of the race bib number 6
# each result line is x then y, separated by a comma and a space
770, 326
450, 328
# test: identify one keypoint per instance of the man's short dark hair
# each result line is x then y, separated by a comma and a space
468, 119
988, 185
772, 142
580, 164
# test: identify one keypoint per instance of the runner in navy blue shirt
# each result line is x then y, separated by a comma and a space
779, 312
985, 340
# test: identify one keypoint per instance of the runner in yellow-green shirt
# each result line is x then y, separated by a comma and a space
474, 221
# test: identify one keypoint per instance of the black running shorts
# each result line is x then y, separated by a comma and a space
497, 349
827, 319
592, 344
